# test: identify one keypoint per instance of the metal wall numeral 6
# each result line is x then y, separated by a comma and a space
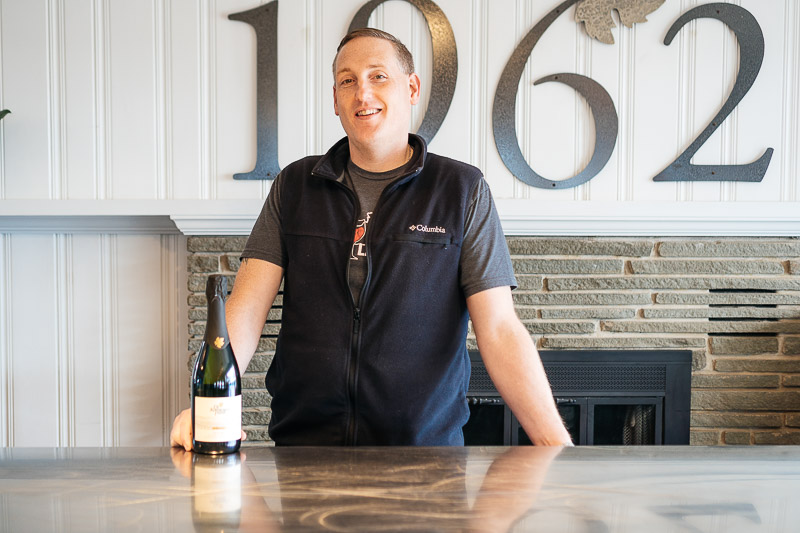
504, 111
751, 55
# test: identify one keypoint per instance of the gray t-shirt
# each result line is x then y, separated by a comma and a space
485, 262
368, 187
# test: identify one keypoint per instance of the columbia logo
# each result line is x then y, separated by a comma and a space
427, 229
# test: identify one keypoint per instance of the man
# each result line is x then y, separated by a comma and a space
372, 343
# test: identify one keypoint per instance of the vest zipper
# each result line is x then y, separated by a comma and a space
352, 377
351, 429
355, 348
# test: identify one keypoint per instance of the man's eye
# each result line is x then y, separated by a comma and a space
346, 81
380, 76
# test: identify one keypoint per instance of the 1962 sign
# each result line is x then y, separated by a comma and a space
264, 20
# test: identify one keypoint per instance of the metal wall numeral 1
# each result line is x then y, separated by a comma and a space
504, 111
751, 55
445, 60
264, 20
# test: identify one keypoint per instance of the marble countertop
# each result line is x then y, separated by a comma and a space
583, 489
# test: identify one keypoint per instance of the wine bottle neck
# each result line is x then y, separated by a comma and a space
216, 329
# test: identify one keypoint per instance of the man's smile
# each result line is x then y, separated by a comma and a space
367, 112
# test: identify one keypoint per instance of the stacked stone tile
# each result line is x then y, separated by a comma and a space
734, 302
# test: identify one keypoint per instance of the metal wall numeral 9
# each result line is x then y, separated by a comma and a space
445, 61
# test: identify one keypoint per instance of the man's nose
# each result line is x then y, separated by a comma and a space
364, 90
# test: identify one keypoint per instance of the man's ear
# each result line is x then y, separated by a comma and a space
335, 104
415, 87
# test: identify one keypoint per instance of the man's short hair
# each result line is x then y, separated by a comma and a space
403, 55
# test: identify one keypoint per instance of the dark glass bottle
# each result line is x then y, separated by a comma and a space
216, 383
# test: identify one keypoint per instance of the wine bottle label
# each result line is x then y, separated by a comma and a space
218, 488
217, 419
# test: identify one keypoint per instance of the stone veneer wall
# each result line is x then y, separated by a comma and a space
734, 302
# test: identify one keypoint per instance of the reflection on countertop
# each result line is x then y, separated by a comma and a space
585, 489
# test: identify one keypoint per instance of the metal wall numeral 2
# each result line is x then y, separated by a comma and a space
751, 55
264, 20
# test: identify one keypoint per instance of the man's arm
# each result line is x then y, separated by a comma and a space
515, 367
254, 291
253, 294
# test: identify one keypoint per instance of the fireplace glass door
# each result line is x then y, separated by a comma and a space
489, 422
604, 397
624, 421
606, 421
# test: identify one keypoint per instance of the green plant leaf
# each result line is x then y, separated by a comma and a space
3, 113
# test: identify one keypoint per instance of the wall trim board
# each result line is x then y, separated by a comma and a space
236, 217
77, 224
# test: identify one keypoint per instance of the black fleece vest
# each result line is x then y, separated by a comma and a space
393, 368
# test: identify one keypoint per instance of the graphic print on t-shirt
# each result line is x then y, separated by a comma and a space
358, 239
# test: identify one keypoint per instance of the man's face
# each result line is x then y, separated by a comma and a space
371, 94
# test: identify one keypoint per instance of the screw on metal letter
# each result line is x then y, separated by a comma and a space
445, 60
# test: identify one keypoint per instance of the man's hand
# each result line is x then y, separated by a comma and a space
181, 434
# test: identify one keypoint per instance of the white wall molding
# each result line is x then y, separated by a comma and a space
162, 88
653, 219
591, 220
109, 396
78, 224
6, 362
57, 112
208, 102
790, 127
65, 357
174, 309
219, 225
236, 217
101, 43
2, 106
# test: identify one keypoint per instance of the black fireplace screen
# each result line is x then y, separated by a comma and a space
605, 397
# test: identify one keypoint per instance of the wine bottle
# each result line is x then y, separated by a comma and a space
216, 383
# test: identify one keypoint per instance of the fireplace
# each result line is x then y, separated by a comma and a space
737, 313
606, 397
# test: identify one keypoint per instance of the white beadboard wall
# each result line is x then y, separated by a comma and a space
92, 338
155, 100
122, 110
